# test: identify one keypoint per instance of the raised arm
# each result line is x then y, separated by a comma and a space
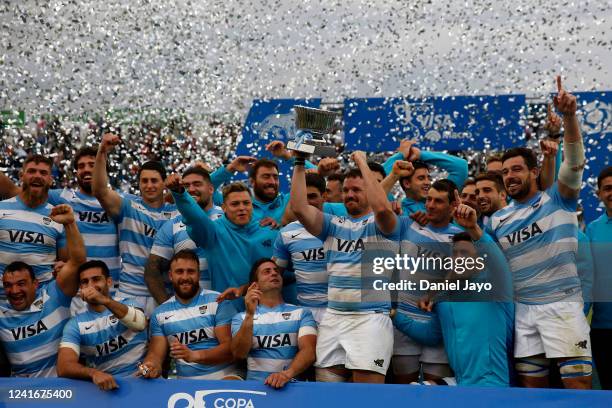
309, 216
155, 268
385, 217
572, 167
547, 174
456, 167
401, 168
108, 198
68, 278
243, 339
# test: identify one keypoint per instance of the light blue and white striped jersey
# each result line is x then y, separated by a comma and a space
31, 337
194, 325
419, 241
173, 237
29, 235
276, 332
345, 240
297, 249
105, 342
539, 238
98, 229
138, 223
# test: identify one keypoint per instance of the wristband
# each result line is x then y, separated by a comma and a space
299, 161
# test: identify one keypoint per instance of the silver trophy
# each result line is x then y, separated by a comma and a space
312, 126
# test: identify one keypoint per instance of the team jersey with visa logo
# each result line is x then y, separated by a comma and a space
31, 337
29, 235
138, 224
105, 342
539, 238
276, 331
173, 237
193, 324
97, 228
345, 240
298, 249
422, 243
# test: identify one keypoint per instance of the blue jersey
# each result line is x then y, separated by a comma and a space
231, 249
29, 235
410, 206
539, 238
105, 342
173, 237
345, 240
297, 248
456, 167
275, 208
600, 235
193, 324
138, 224
31, 337
276, 332
419, 241
97, 228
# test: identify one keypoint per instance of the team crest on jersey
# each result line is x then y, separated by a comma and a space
167, 214
364, 222
113, 319
286, 316
38, 304
203, 309
47, 220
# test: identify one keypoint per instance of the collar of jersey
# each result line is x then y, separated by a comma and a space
40, 207
532, 201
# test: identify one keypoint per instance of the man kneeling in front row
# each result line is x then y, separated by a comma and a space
277, 339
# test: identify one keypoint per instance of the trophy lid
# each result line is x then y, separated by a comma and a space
314, 120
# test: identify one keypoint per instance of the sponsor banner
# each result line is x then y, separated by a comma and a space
595, 114
438, 123
26, 393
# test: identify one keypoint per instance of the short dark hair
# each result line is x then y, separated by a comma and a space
336, 177
256, 265
315, 180
417, 164
447, 186
155, 166
377, 168
236, 187
20, 266
462, 236
262, 163
37, 159
494, 177
83, 152
197, 170
186, 254
96, 263
527, 154
607, 172
353, 173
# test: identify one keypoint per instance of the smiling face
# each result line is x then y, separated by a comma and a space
20, 288
417, 186
489, 199
151, 186
199, 188
238, 207
605, 193
185, 277
84, 172
265, 184
519, 180
470, 197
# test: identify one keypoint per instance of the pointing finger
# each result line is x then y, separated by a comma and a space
457, 198
559, 86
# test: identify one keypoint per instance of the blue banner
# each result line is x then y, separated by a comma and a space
269, 120
595, 113
438, 123
61, 393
